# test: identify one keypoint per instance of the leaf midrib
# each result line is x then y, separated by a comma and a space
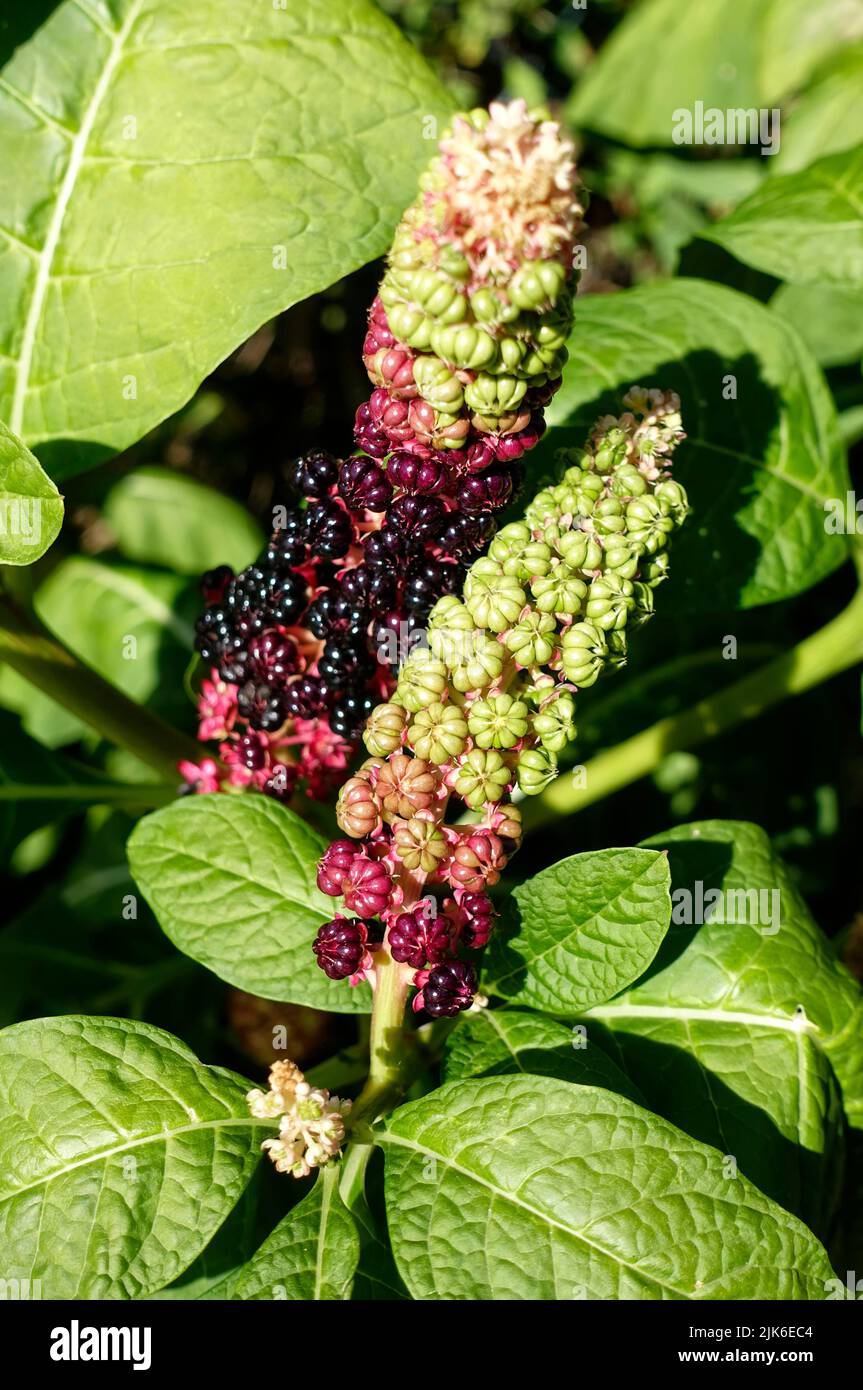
55, 226
161, 1136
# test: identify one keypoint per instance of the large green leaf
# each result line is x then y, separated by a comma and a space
163, 518
523, 1187
587, 927
496, 1042
120, 1155
737, 1030
31, 508
827, 117
702, 53
231, 880
311, 1255
762, 452
198, 168
806, 227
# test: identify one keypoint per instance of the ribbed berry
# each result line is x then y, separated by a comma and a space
344, 663
307, 698
479, 919
411, 474
485, 492
418, 938
366, 887
262, 706
313, 474
364, 486
371, 585
332, 613
385, 547
449, 989
329, 530
463, 536
429, 580
340, 946
334, 865
417, 518
271, 658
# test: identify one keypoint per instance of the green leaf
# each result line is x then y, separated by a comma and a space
521, 1187
231, 880
31, 508
827, 117
496, 1042
120, 1155
762, 452
197, 169
587, 927
805, 227
797, 37
162, 518
311, 1255
829, 319
736, 1032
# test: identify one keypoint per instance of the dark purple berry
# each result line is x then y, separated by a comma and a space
340, 946
314, 474
428, 581
485, 492
214, 583
463, 536
344, 664
449, 989
329, 530
306, 698
332, 613
416, 475
416, 518
364, 486
262, 706
271, 658
252, 749
385, 547
334, 865
349, 714
418, 937
479, 919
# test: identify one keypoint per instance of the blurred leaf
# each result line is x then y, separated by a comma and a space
587, 927
197, 169
762, 451
231, 880
828, 319
826, 118
121, 1155
163, 518
31, 508
806, 227
798, 36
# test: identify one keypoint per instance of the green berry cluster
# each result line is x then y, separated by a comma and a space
488, 705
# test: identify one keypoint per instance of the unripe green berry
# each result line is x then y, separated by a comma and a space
610, 451
644, 603
537, 283
465, 345
554, 724
620, 557
654, 570
533, 639
583, 652
648, 524
383, 731
561, 591
609, 516
626, 481
498, 721
536, 768
493, 599
672, 495
407, 322
482, 777
438, 384
610, 601
480, 665
580, 550
438, 732
494, 395
422, 681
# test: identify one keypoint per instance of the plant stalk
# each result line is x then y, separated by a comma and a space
832, 649
31, 650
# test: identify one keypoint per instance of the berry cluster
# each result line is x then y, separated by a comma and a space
481, 714
465, 345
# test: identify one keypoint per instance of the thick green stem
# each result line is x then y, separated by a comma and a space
389, 1068
833, 648
32, 651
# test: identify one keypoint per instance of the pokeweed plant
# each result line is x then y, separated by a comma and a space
599, 1088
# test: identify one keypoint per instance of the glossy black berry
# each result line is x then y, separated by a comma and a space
428, 581
449, 989
485, 492
416, 518
462, 536
214, 584
415, 475
349, 713
340, 946
306, 698
271, 658
344, 663
332, 613
364, 486
262, 706
329, 530
314, 474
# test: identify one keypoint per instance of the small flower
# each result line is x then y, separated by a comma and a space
203, 776
311, 1121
